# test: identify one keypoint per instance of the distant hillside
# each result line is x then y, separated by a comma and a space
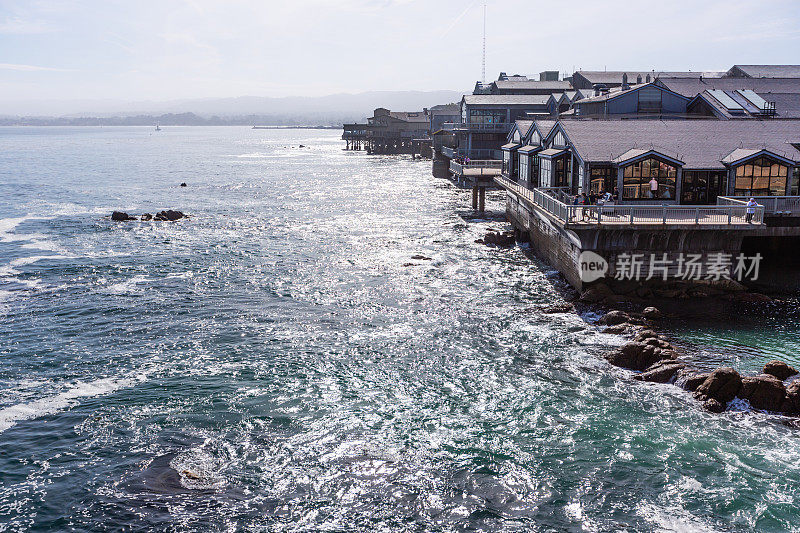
295, 110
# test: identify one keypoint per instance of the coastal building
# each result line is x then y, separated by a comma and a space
390, 132
682, 187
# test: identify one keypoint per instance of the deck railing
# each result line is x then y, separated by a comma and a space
550, 200
773, 205
448, 151
485, 167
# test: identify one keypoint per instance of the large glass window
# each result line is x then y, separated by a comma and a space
703, 186
761, 177
795, 190
487, 116
649, 179
649, 100
534, 181
544, 173
563, 169
602, 179
523, 168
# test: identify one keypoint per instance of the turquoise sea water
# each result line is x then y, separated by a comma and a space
279, 362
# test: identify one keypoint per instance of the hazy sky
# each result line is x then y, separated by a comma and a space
172, 49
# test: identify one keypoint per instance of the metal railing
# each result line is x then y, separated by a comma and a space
550, 199
488, 167
490, 127
448, 151
773, 205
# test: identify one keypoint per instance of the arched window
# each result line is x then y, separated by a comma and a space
649, 179
761, 177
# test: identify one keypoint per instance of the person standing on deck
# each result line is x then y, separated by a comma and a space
751, 210
653, 188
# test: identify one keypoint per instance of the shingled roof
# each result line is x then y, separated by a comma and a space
768, 71
615, 76
506, 99
693, 87
699, 143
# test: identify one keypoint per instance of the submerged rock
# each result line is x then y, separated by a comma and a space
713, 405
723, 384
503, 239
420, 257
779, 369
147, 216
558, 308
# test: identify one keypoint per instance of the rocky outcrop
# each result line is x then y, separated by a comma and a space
764, 392
169, 215
723, 384
612, 318
419, 257
791, 404
120, 216
147, 216
638, 356
665, 371
779, 369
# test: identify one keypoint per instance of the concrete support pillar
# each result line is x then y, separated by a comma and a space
474, 197
482, 199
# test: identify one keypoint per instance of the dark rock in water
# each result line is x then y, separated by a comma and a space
723, 384
635, 355
645, 334
692, 381
302, 146
613, 318
120, 216
147, 216
791, 404
169, 214
183, 184
752, 298
558, 308
779, 369
619, 328
661, 372
503, 239
764, 392
420, 257
596, 293
714, 406
651, 313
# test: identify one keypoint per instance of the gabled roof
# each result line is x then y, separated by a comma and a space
701, 144
769, 71
446, 109
618, 91
524, 127
510, 146
741, 154
637, 153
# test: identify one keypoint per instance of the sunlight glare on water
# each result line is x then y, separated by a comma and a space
279, 361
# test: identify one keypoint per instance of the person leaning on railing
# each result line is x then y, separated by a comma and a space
751, 210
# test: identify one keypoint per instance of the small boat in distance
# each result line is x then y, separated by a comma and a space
158, 128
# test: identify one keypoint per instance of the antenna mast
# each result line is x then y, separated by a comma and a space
483, 63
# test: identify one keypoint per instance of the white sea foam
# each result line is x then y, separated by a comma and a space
64, 400
127, 285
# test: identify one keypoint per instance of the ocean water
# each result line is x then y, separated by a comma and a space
280, 362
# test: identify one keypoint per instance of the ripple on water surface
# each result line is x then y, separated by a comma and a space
281, 361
